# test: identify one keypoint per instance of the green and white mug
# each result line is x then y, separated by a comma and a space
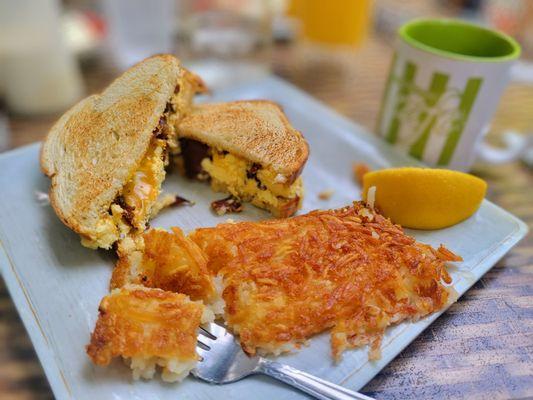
444, 84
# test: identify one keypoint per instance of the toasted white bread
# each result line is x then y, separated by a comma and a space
256, 130
252, 152
95, 149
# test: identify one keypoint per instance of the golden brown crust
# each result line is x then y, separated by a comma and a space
349, 269
141, 322
96, 146
256, 130
288, 207
196, 82
170, 261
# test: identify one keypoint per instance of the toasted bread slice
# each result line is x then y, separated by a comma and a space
115, 144
246, 148
256, 130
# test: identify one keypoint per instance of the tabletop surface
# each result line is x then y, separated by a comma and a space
482, 347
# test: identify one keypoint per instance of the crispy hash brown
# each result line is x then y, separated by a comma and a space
349, 269
169, 261
149, 327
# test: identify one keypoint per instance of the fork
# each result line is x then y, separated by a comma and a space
224, 361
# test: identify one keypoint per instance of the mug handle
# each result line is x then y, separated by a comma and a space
516, 145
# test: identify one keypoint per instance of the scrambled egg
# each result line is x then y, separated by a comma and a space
230, 173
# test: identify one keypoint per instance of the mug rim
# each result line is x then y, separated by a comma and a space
407, 38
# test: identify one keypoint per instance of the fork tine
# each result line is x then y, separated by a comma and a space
202, 353
202, 345
217, 330
206, 333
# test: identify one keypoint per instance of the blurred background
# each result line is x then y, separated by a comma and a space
52, 53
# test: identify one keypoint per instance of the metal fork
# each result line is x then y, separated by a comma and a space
224, 361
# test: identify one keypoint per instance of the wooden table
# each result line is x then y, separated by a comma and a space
482, 347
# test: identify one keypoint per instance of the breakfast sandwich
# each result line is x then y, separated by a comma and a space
106, 155
247, 149
148, 328
168, 261
350, 270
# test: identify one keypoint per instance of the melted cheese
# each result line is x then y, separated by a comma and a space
141, 192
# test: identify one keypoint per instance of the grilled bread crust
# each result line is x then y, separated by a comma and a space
256, 130
96, 146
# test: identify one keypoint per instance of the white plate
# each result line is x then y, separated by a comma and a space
57, 284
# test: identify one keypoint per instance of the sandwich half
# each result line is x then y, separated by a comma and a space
247, 149
106, 155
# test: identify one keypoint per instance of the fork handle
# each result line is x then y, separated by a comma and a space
307, 383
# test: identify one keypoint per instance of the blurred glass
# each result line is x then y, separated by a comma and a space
226, 41
139, 28
39, 74
339, 22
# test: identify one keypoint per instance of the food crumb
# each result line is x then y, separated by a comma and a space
178, 201
42, 198
228, 205
359, 171
365, 213
371, 197
326, 194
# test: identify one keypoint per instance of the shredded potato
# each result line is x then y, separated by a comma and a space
350, 270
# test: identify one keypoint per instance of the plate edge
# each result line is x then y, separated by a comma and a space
38, 339
485, 265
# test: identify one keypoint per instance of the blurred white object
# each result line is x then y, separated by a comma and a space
219, 74
522, 72
84, 32
227, 42
39, 73
516, 146
139, 28
223, 33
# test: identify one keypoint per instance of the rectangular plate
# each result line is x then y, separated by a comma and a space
57, 284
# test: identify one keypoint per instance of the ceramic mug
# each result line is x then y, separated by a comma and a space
444, 84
